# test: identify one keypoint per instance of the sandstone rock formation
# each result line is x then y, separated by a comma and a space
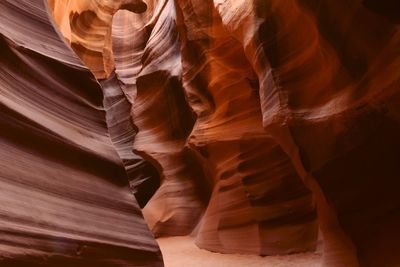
64, 193
265, 122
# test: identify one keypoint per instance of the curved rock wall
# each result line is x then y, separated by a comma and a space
87, 27
64, 193
265, 119
259, 204
143, 176
334, 68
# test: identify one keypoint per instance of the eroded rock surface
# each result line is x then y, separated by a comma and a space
264, 119
295, 105
64, 193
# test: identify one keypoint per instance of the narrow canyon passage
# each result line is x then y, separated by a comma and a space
199, 133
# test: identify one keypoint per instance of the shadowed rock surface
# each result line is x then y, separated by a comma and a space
263, 123
64, 194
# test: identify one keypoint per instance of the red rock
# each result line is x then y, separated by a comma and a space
264, 120
64, 192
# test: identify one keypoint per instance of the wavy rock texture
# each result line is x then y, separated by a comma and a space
87, 25
143, 176
334, 88
265, 119
163, 131
259, 204
64, 193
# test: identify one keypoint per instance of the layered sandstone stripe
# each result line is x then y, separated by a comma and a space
329, 94
64, 193
259, 204
87, 27
296, 122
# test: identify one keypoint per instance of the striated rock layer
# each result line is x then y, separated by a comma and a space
142, 175
265, 120
87, 27
296, 122
64, 193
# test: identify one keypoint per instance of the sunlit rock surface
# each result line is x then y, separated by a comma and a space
265, 122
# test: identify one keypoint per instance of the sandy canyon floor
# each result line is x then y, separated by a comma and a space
182, 252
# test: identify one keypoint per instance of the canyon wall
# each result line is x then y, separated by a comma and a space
65, 199
262, 122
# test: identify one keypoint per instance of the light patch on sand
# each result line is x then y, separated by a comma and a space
182, 252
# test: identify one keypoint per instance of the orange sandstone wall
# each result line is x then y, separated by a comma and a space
264, 119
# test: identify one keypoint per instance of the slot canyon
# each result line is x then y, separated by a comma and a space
188, 133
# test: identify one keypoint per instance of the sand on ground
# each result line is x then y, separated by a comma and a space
182, 252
